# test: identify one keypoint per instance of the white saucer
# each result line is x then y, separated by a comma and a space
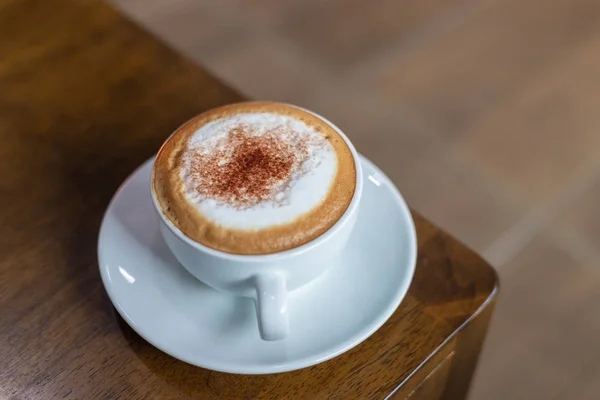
181, 316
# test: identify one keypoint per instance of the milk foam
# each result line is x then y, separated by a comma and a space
309, 184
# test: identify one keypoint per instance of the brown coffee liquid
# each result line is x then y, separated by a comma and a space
255, 164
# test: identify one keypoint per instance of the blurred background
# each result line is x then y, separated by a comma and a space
486, 114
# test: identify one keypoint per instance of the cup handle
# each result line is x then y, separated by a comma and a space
271, 306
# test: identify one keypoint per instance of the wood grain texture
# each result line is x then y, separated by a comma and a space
85, 97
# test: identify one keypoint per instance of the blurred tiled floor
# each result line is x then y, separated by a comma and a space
486, 114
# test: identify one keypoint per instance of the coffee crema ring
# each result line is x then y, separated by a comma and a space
254, 178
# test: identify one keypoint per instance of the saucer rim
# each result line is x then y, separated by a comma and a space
304, 362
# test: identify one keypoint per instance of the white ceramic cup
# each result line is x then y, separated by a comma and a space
265, 278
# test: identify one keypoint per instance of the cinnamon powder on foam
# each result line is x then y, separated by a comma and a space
243, 170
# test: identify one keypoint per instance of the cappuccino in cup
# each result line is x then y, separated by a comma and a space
254, 178
257, 199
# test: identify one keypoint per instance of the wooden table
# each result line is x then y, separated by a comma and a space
85, 97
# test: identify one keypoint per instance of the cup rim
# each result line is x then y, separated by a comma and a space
337, 226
